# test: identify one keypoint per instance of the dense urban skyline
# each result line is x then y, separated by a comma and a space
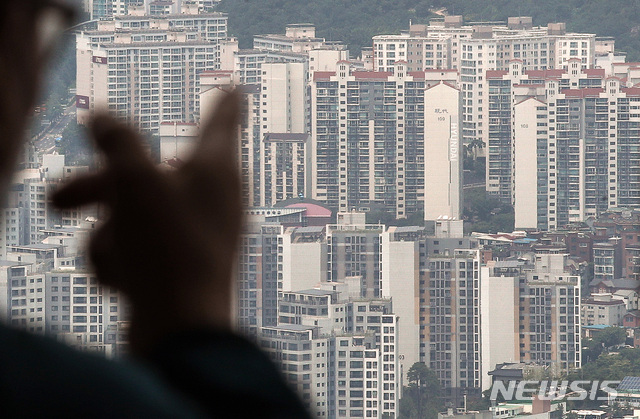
347, 304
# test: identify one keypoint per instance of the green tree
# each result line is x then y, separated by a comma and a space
355, 21
611, 336
610, 366
486, 214
422, 397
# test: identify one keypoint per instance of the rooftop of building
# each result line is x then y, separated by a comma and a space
314, 208
9, 263
65, 229
596, 326
281, 37
139, 31
509, 263
312, 292
408, 229
630, 284
629, 383
162, 44
252, 51
36, 246
291, 327
382, 75
271, 211
169, 16
285, 136
308, 230
597, 302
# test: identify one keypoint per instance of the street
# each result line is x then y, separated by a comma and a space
48, 142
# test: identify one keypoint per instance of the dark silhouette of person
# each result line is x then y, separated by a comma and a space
169, 245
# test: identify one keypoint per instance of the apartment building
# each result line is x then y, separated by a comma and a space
603, 309
257, 277
353, 250
304, 258
550, 331
530, 313
299, 38
373, 142
12, 228
302, 354
284, 167
284, 98
499, 315
433, 279
70, 305
633, 261
144, 69
356, 374
248, 63
421, 52
476, 48
451, 325
298, 44
515, 85
29, 209
624, 225
580, 126
607, 260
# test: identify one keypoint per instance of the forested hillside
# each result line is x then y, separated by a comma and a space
355, 21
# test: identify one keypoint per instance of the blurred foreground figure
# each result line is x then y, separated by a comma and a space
177, 272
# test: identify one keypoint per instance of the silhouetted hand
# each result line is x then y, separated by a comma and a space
171, 237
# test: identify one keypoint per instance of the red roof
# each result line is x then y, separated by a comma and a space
440, 70
313, 210
632, 91
496, 74
545, 74
371, 74
589, 91
323, 75
594, 72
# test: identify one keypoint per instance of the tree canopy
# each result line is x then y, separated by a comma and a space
356, 21
422, 397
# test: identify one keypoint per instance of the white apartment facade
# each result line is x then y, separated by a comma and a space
370, 139
144, 69
475, 49
304, 258
581, 126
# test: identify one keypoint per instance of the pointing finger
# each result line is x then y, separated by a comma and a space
121, 144
219, 134
83, 191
